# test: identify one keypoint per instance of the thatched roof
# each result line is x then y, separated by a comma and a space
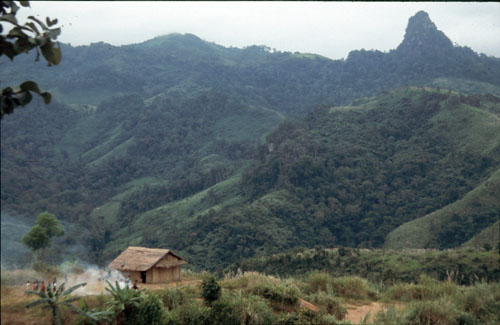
142, 259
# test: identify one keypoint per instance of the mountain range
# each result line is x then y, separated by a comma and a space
225, 153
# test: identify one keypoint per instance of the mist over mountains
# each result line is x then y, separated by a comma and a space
224, 153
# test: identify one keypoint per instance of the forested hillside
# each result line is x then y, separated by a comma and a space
226, 153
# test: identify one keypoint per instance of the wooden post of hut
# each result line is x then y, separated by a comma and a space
149, 265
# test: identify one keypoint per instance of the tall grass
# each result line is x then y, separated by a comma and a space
277, 290
426, 289
434, 302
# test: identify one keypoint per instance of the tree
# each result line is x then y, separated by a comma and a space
40, 235
22, 39
123, 301
210, 290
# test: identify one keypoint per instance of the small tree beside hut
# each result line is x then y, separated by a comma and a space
40, 235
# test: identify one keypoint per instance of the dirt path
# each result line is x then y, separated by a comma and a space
356, 314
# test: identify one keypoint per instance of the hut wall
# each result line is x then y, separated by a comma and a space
134, 276
164, 274
156, 275
149, 276
177, 273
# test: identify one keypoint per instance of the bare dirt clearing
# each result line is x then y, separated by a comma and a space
356, 314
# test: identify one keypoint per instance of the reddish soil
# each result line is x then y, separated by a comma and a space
307, 305
356, 314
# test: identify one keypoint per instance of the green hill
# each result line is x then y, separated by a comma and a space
225, 153
344, 175
454, 224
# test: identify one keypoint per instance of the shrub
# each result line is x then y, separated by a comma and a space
318, 281
235, 308
431, 312
353, 287
172, 298
222, 312
254, 310
194, 314
329, 304
285, 292
171, 317
388, 316
210, 289
279, 291
481, 303
149, 311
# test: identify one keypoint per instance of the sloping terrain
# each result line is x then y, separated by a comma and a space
456, 223
345, 175
175, 143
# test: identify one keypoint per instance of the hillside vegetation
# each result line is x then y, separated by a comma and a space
456, 223
222, 153
463, 266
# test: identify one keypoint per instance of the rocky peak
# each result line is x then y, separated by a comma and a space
423, 36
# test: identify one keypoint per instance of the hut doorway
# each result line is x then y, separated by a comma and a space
143, 276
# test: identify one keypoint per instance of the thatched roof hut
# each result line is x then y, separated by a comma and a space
149, 265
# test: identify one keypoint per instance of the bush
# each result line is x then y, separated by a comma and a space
480, 303
172, 298
254, 310
431, 312
279, 291
194, 314
353, 287
171, 317
420, 292
148, 311
318, 281
388, 316
240, 308
329, 304
222, 312
210, 289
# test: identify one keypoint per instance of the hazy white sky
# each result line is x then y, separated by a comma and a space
331, 29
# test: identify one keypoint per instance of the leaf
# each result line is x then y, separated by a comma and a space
33, 27
16, 32
9, 18
51, 53
13, 8
28, 86
36, 302
51, 22
73, 288
53, 33
39, 22
71, 299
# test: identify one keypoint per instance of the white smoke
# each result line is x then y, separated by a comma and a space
96, 280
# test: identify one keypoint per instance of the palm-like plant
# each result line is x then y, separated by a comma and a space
123, 299
92, 315
55, 300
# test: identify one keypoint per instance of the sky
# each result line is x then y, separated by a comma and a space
331, 29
